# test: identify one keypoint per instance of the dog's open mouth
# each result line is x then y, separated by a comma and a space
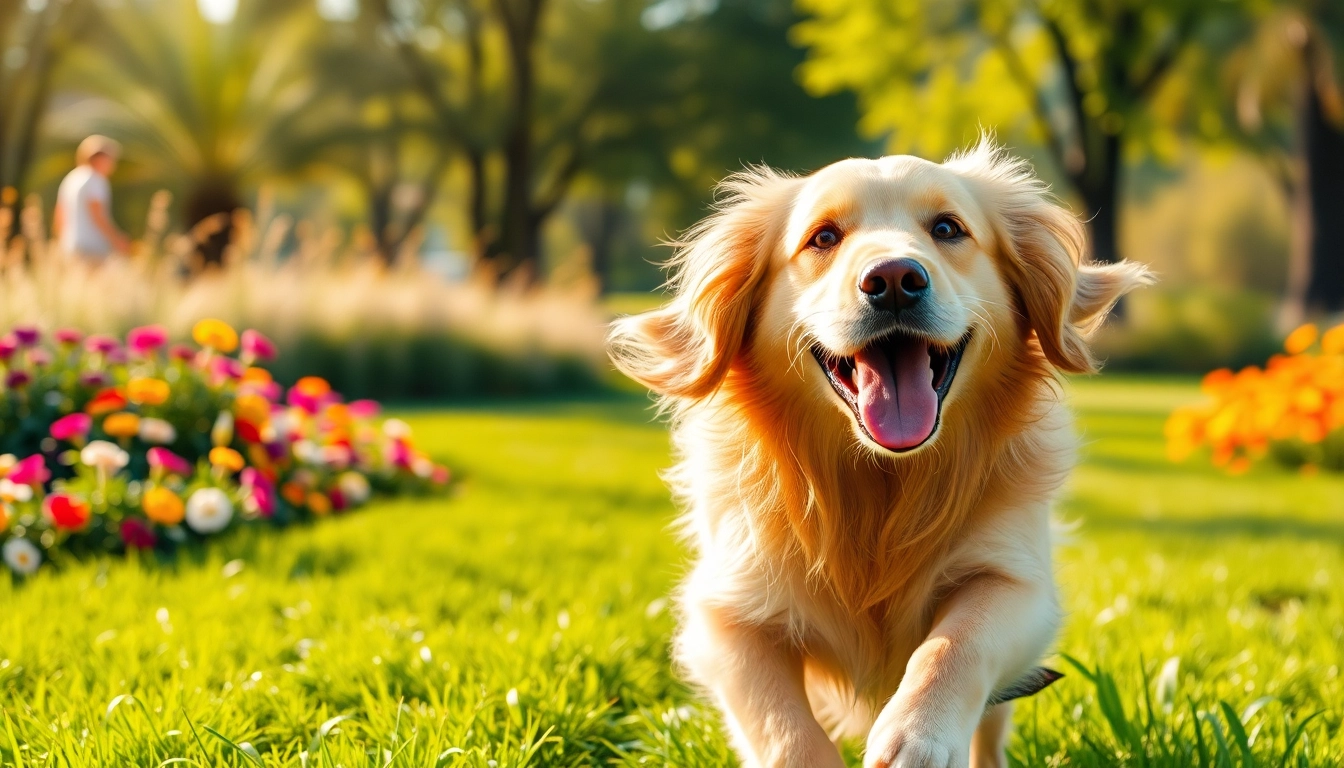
895, 386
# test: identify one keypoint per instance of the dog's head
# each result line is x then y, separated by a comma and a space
886, 287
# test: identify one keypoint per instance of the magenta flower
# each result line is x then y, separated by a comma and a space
18, 379
136, 533
147, 339
260, 492
27, 335
166, 460
117, 356
364, 409
72, 427
31, 471
8, 344
399, 453
99, 344
310, 404
256, 346
69, 336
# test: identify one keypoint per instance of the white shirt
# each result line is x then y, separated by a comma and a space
79, 234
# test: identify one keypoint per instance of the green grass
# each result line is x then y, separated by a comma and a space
524, 620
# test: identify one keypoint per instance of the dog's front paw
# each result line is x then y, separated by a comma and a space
900, 743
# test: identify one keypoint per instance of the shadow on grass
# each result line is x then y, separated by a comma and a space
1222, 527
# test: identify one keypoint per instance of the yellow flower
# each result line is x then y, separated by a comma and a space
163, 506
147, 391
1299, 340
319, 503
122, 424
215, 334
226, 459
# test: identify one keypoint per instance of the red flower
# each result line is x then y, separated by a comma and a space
106, 401
136, 533
67, 511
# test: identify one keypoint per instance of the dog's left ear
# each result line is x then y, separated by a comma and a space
1065, 298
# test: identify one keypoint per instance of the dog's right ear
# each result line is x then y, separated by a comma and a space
685, 348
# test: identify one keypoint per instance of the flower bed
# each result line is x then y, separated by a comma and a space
1291, 411
107, 446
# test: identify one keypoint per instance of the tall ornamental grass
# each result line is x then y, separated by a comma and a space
372, 329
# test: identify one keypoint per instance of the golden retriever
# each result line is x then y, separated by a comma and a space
860, 366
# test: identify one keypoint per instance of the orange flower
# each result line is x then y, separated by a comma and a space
293, 493
1301, 339
147, 391
313, 386
253, 409
122, 425
1332, 342
163, 506
227, 459
319, 503
215, 334
255, 375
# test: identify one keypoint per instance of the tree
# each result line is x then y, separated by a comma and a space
1289, 107
202, 109
35, 38
1082, 72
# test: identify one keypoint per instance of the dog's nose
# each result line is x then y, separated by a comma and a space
894, 284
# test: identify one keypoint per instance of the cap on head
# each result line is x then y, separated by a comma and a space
96, 145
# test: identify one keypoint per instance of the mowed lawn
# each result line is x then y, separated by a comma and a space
524, 620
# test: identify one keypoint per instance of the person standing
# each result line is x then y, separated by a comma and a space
83, 219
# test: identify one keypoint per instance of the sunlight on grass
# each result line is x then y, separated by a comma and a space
525, 621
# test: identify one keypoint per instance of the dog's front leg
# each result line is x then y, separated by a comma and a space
756, 675
985, 635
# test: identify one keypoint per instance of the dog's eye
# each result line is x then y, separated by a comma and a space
946, 229
825, 238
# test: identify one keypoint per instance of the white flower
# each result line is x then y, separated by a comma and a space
22, 556
157, 431
104, 456
307, 451
422, 467
11, 491
354, 487
396, 428
209, 510
335, 456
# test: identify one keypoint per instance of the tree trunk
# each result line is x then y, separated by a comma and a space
1100, 189
518, 240
1324, 169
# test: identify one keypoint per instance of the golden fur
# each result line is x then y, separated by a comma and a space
841, 588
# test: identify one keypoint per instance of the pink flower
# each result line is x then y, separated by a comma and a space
147, 339
136, 533
31, 471
182, 352
166, 460
117, 356
267, 389
226, 368
364, 409
39, 357
260, 492
94, 379
27, 335
8, 345
99, 344
440, 475
73, 427
308, 403
399, 453
256, 346
69, 336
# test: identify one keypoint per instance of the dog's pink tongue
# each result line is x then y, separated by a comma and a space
896, 397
